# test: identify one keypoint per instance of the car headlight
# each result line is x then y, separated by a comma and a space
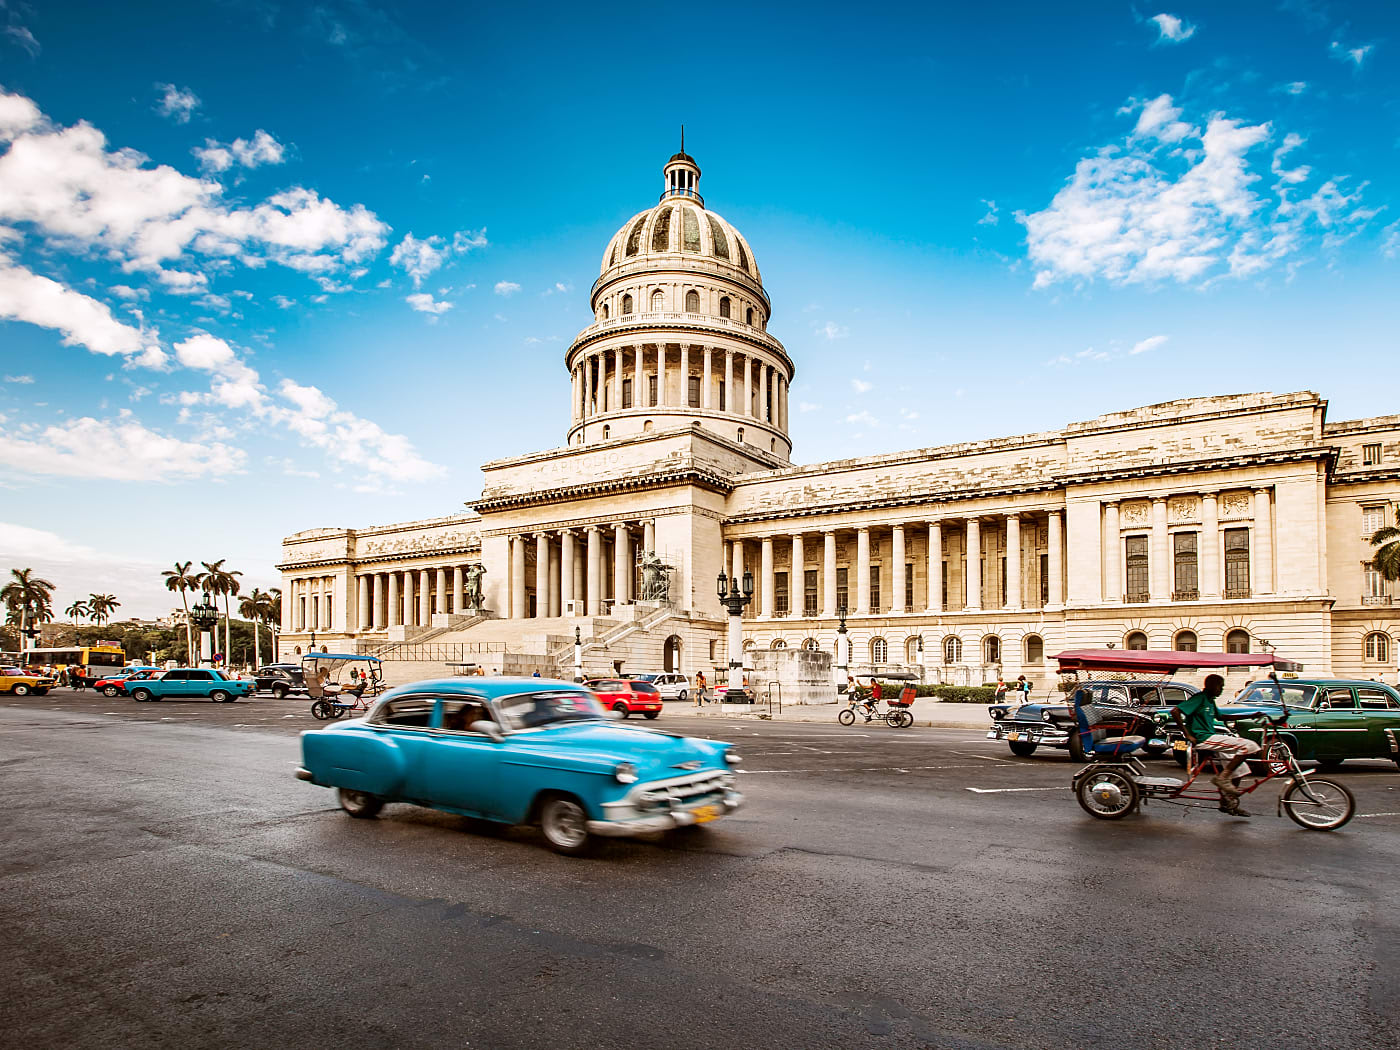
1045, 716
625, 773
732, 758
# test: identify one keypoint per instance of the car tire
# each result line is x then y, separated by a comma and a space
650, 714
20, 690
359, 804
564, 822
1022, 748
220, 697
682, 696
140, 695
622, 710
110, 690
1076, 748
279, 692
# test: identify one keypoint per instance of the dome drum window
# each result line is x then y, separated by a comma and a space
627, 304
692, 302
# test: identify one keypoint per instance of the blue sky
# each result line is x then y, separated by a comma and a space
267, 266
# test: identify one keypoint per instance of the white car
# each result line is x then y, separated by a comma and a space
670, 686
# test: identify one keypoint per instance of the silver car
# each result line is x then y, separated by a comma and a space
670, 686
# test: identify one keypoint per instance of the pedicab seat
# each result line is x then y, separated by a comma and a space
1094, 734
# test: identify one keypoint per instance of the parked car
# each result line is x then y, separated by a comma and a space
671, 686
1329, 719
114, 684
185, 683
18, 682
521, 750
627, 695
280, 679
1145, 702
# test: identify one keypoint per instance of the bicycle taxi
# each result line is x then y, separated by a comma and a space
1116, 783
331, 698
896, 689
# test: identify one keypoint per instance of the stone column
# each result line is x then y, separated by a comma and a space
541, 575
517, 577
829, 574
378, 583
935, 567
973, 573
459, 587
764, 371
637, 393
730, 398
595, 571
1112, 549
862, 572
685, 375
1262, 579
661, 365
1208, 550
573, 389
395, 613
363, 612
1056, 562
1013, 561
765, 562
617, 379
649, 534
748, 386
556, 583
567, 593
425, 587
410, 605
737, 564
707, 380
1159, 566
621, 566
440, 595
898, 599
797, 579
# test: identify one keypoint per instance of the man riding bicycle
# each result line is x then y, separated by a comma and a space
1197, 715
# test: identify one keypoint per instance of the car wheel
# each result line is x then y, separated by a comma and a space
279, 692
359, 804
846, 717
20, 689
1076, 748
565, 825
621, 709
110, 690
650, 714
220, 697
1022, 748
323, 710
682, 696
140, 695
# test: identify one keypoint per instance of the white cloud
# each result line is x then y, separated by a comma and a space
506, 288
182, 282
1148, 210
1171, 29
832, 330
860, 386
26, 296
262, 149
418, 258
1390, 241
24, 38
991, 218
283, 302
17, 115
464, 241
176, 103
1158, 121
125, 291
426, 304
40, 543
1296, 87
808, 406
1355, 55
320, 422
120, 449
19, 379
863, 418
1294, 175
1150, 343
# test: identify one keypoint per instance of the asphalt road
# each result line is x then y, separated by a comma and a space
165, 881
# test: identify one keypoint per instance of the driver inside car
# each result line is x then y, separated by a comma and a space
1197, 715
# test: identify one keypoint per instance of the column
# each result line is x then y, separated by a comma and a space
935, 567
573, 387
617, 380
395, 615
541, 575
764, 373
1013, 561
567, 591
862, 572
1112, 551
745, 409
737, 564
829, 573
797, 579
595, 571
1159, 570
410, 607
556, 584
783, 399
637, 393
765, 562
1056, 560
730, 398
649, 534
1262, 579
661, 363
363, 611
440, 596
425, 586
685, 375
517, 577
459, 590
898, 598
379, 584
1208, 550
588, 385
705, 382
622, 562
973, 573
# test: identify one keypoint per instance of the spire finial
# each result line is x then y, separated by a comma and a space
682, 138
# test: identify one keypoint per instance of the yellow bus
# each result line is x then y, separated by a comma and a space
100, 657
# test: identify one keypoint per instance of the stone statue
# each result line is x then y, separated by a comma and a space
475, 595
656, 578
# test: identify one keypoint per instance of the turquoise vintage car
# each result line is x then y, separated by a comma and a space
190, 683
521, 750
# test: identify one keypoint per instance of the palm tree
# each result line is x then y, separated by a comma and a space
181, 579
218, 580
26, 593
78, 608
1386, 559
274, 615
256, 607
100, 607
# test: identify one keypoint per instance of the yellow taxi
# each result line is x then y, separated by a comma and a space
18, 682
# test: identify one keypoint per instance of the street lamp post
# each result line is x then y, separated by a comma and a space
843, 651
205, 616
734, 600
578, 654
31, 628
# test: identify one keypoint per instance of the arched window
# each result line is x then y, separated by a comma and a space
748, 645
646, 427
298, 650
1184, 642
991, 649
724, 306
1378, 647
658, 301
740, 436
911, 649
778, 643
1237, 641
605, 311
879, 651
952, 649
692, 302
748, 317
1135, 640
607, 432
627, 304
1035, 649
811, 645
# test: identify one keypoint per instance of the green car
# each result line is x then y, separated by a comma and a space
1329, 719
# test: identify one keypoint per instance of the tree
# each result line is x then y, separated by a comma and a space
217, 580
27, 594
100, 607
1386, 559
78, 608
256, 607
274, 615
181, 579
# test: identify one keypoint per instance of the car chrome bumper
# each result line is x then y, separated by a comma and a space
1030, 733
665, 820
304, 774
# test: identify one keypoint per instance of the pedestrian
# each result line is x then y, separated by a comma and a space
700, 689
536, 673
1001, 689
1024, 686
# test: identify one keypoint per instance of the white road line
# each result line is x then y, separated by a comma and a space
1378, 814
1002, 791
856, 769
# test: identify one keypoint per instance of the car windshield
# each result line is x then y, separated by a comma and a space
647, 677
1263, 693
531, 710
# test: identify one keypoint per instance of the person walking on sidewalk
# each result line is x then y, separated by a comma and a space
700, 689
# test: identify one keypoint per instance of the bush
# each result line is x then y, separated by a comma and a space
962, 694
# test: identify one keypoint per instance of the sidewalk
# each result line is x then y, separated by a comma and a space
927, 712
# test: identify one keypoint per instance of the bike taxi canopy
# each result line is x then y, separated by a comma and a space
1151, 661
332, 663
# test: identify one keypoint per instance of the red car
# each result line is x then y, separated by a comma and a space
115, 685
626, 696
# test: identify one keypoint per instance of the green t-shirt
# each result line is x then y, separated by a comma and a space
1200, 713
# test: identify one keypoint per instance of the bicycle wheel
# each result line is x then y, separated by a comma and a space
1108, 794
892, 718
1318, 805
846, 717
323, 710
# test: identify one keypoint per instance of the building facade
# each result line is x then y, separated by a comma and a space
1218, 523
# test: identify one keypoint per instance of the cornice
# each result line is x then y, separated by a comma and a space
437, 554
706, 479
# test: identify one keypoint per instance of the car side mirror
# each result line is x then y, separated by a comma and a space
489, 729
1323, 705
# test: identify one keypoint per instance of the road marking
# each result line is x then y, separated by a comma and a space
857, 769
1002, 791
1378, 814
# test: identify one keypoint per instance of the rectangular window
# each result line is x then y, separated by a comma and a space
809, 592
1135, 552
841, 591
1003, 580
315, 614
627, 393
1372, 520
909, 587
1186, 588
875, 589
651, 390
1045, 579
693, 391
1372, 586
944, 566
1237, 563
721, 395
780, 593
1370, 455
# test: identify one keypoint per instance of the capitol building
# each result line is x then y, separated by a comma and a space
1227, 523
